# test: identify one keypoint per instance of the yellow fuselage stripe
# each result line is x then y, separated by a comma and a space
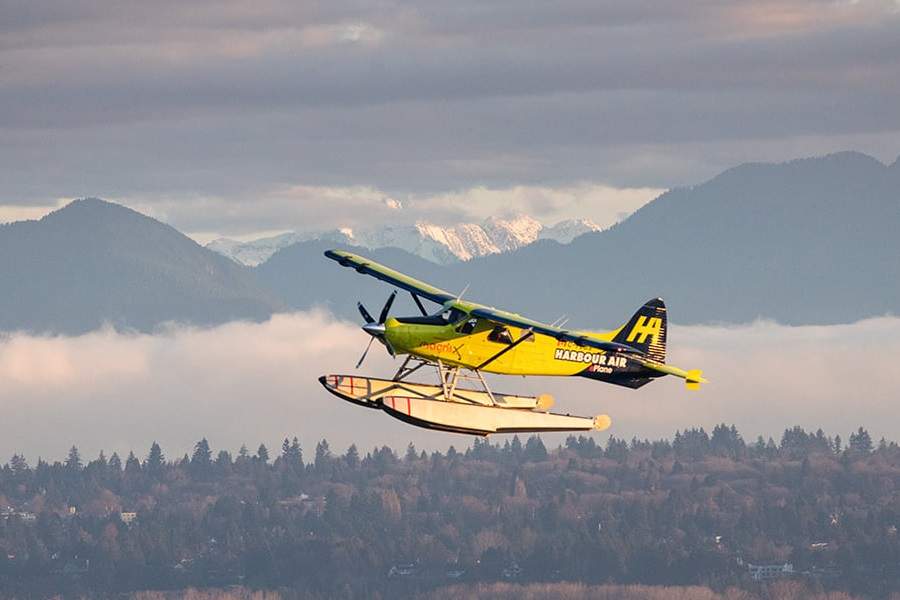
539, 355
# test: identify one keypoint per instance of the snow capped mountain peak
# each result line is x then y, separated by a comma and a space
440, 244
512, 233
258, 251
566, 231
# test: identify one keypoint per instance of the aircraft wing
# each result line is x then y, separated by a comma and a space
420, 288
395, 278
565, 335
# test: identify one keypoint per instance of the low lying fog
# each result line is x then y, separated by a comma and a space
252, 383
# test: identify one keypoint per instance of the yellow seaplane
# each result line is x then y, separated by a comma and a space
463, 339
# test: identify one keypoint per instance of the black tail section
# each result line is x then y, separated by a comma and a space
646, 331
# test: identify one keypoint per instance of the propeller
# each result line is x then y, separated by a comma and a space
387, 307
365, 314
366, 351
375, 328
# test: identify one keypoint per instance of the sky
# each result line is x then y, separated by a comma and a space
229, 118
252, 383
240, 119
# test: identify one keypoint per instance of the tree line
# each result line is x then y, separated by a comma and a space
693, 510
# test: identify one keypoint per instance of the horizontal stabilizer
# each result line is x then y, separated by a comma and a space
694, 379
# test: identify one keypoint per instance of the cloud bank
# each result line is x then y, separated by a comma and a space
252, 383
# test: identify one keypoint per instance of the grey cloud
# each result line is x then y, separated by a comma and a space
171, 102
252, 383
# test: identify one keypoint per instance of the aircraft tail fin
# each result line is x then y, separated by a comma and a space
646, 331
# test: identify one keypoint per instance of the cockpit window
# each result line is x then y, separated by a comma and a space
448, 316
453, 315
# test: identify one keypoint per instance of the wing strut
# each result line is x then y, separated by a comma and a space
528, 333
419, 304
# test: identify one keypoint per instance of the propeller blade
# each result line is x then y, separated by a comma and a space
387, 307
419, 304
363, 357
365, 314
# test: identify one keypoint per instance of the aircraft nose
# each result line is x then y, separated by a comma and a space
374, 329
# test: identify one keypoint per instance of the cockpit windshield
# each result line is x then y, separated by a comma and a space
445, 316
453, 315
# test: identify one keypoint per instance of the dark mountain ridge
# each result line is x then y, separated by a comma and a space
808, 241
95, 262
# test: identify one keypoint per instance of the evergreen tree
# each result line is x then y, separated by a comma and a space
861, 441
155, 460
535, 451
296, 452
73, 462
323, 455
262, 453
115, 463
201, 460
616, 449
760, 446
726, 441
223, 459
515, 448
352, 456
18, 464
132, 464
411, 454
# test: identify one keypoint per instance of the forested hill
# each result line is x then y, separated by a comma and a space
699, 509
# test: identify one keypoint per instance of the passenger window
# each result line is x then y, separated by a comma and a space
467, 327
500, 335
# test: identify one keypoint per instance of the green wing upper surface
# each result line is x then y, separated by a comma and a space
388, 275
425, 290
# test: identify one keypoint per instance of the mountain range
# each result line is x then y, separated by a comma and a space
436, 243
811, 241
